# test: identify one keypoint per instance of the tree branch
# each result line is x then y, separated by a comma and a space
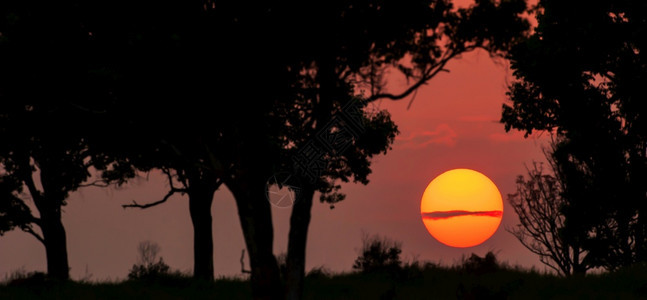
27, 177
97, 183
168, 195
32, 232
426, 76
147, 205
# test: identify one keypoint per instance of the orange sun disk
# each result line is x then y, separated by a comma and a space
461, 208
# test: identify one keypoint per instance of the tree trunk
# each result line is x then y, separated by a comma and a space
200, 200
578, 267
297, 240
641, 249
49, 203
256, 221
623, 237
54, 241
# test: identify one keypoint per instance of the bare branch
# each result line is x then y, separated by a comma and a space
537, 203
169, 177
142, 206
168, 195
427, 75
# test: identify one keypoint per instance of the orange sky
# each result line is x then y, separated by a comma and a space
452, 123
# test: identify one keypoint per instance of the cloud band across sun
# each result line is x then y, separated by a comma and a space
437, 215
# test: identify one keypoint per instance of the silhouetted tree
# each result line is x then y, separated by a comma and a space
543, 228
580, 75
49, 95
200, 184
163, 94
342, 152
43, 162
350, 48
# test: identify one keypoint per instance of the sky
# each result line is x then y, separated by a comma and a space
452, 123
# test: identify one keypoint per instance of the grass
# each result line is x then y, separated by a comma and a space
165, 287
410, 282
454, 283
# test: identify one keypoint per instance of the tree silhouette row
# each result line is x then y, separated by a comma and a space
215, 93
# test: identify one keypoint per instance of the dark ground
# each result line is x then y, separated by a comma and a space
409, 282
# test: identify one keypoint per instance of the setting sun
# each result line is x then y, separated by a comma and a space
461, 208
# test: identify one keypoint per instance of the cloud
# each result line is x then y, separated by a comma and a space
438, 215
478, 118
442, 135
512, 136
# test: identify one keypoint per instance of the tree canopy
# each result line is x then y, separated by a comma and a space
580, 76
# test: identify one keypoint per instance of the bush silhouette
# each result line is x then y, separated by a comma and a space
378, 254
149, 271
319, 272
480, 265
148, 267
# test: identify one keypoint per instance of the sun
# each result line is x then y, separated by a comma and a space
461, 208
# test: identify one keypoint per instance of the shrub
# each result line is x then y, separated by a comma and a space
148, 267
378, 254
319, 272
480, 265
139, 271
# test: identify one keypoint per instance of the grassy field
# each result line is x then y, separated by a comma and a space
412, 282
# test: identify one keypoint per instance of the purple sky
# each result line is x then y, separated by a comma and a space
452, 123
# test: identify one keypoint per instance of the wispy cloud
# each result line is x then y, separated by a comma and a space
436, 215
442, 135
477, 118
